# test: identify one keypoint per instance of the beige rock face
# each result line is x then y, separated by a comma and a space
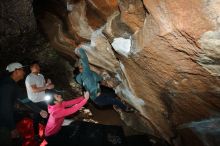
106, 58
104, 7
132, 13
53, 27
171, 71
181, 15
78, 22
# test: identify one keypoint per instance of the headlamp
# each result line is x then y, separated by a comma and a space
47, 97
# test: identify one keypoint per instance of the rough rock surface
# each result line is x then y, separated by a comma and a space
171, 71
17, 26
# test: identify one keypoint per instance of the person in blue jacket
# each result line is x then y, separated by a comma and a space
90, 80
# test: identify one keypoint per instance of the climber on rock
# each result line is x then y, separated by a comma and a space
90, 80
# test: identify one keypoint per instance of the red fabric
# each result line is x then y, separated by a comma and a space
25, 128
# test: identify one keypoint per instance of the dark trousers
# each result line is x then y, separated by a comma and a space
108, 97
37, 117
5, 137
87, 134
6, 140
67, 136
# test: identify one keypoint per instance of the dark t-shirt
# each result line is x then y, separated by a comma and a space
9, 92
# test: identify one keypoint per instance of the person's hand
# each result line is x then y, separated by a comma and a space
49, 81
77, 51
14, 134
50, 86
99, 93
43, 114
86, 95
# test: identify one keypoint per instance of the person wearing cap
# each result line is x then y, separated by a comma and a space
9, 91
36, 87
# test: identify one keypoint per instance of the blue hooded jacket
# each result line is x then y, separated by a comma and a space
88, 78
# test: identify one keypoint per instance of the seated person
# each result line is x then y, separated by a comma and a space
37, 86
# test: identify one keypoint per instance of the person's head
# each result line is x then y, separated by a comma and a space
35, 67
16, 71
55, 99
78, 69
